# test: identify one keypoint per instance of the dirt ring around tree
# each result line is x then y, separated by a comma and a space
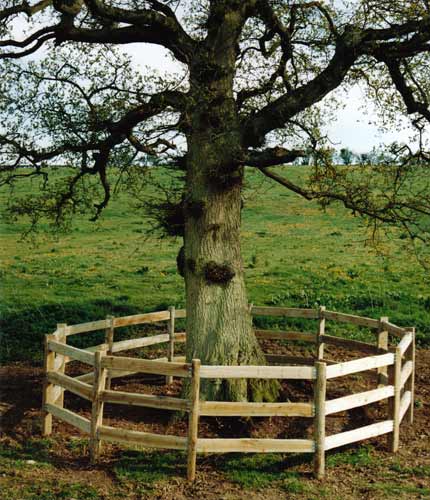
334, 391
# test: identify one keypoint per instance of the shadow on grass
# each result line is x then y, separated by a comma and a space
22, 331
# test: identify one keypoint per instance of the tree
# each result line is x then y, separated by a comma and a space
257, 76
346, 155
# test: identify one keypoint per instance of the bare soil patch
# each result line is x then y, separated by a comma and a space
365, 471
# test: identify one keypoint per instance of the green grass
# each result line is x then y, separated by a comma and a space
294, 253
397, 490
140, 470
50, 490
417, 471
358, 457
32, 449
261, 471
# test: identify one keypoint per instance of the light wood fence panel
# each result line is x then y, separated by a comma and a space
351, 344
171, 344
405, 342
359, 365
147, 400
61, 360
263, 372
229, 409
355, 435
356, 400
351, 318
48, 387
406, 373
71, 384
320, 333
142, 438
125, 345
394, 406
283, 335
146, 366
250, 445
405, 402
109, 341
382, 343
87, 327
289, 312
73, 352
410, 384
69, 417
100, 374
139, 319
393, 329
180, 313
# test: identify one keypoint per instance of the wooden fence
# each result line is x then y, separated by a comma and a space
395, 366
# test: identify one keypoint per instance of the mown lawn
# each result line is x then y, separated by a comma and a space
295, 255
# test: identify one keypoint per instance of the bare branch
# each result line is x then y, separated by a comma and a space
272, 156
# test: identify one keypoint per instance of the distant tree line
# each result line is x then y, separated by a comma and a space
346, 156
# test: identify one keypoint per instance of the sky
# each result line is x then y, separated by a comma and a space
351, 128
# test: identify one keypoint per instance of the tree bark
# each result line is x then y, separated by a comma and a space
219, 323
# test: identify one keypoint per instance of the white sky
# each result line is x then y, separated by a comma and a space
351, 129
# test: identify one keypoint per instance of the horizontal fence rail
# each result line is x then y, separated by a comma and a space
395, 368
228, 409
359, 365
356, 400
147, 400
359, 434
248, 445
144, 438
71, 352
147, 366
350, 318
289, 312
278, 335
263, 372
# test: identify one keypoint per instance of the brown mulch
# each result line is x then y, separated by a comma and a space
20, 402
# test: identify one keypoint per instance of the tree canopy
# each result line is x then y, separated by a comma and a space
75, 99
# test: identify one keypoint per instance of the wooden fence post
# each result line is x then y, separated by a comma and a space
382, 344
193, 421
48, 388
321, 331
109, 334
410, 383
97, 406
60, 361
319, 419
394, 402
171, 344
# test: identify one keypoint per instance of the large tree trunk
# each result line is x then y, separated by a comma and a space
219, 323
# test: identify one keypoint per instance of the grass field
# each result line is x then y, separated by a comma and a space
295, 255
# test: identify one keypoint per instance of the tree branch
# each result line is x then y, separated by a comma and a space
272, 156
349, 46
277, 113
158, 25
412, 105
